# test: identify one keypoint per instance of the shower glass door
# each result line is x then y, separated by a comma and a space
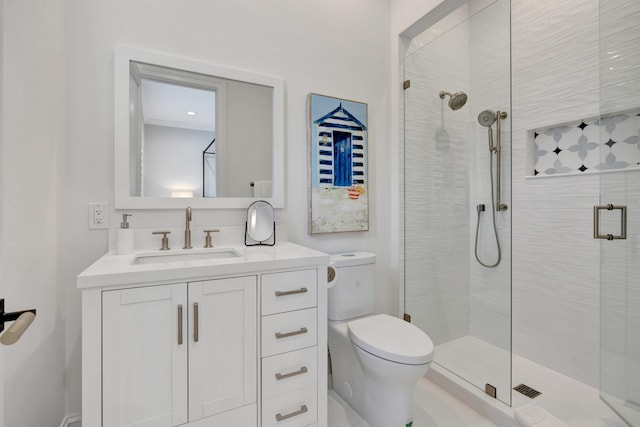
451, 187
620, 258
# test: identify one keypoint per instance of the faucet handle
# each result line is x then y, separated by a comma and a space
207, 239
165, 239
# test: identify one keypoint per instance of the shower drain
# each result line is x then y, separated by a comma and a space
527, 391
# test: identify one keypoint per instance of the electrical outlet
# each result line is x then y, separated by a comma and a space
98, 216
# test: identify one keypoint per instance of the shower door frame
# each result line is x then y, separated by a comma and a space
505, 385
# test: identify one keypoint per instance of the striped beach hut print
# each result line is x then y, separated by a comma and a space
341, 149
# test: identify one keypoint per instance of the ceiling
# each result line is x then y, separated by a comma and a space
167, 104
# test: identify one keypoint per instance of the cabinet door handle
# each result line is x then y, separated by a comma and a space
297, 291
280, 376
195, 322
302, 410
290, 334
179, 324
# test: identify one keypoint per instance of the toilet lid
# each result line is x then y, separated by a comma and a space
391, 338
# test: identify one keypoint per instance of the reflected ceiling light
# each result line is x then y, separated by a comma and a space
191, 113
182, 194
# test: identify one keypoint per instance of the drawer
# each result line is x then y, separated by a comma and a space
289, 371
289, 331
289, 291
293, 409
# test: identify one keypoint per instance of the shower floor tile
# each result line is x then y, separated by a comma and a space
571, 401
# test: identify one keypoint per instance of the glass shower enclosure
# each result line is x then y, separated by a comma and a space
457, 193
619, 22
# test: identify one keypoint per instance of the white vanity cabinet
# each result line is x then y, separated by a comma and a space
179, 353
205, 344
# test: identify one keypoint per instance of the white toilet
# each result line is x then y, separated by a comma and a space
376, 360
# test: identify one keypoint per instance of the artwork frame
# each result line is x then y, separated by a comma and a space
338, 149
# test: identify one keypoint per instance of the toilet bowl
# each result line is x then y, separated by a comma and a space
376, 359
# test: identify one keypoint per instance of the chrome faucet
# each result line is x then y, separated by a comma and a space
187, 231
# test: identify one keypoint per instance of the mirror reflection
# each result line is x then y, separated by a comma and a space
195, 134
199, 136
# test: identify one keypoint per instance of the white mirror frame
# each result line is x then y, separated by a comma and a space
122, 197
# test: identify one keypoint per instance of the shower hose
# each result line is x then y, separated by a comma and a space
493, 217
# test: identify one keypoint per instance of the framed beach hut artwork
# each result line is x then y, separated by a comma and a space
338, 194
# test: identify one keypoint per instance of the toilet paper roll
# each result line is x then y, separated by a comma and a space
332, 274
16, 330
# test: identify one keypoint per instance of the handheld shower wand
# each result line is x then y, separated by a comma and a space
487, 118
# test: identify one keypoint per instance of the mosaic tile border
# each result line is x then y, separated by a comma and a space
595, 145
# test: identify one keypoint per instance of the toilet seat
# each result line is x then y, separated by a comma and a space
392, 339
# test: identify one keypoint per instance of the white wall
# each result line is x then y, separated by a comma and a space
169, 156
58, 150
555, 258
33, 134
403, 14
248, 131
331, 47
436, 178
1, 200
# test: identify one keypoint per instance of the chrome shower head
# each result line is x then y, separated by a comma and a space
487, 118
456, 100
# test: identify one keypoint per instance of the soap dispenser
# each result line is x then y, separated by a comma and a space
124, 237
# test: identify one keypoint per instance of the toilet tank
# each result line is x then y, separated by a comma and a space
351, 294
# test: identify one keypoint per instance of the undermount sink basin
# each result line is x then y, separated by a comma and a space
212, 254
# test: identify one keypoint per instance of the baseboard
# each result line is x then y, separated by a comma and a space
72, 420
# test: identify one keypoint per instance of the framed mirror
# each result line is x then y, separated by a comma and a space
195, 134
260, 227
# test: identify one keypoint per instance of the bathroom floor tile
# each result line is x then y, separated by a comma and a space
433, 407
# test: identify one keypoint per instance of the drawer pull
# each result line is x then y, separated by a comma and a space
302, 410
280, 335
297, 291
280, 376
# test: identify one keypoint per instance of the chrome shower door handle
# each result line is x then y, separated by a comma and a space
596, 222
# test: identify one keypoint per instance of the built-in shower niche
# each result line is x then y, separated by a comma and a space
587, 145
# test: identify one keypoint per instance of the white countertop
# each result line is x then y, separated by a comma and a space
117, 270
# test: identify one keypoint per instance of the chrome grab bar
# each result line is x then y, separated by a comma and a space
302, 410
596, 222
280, 335
297, 291
280, 376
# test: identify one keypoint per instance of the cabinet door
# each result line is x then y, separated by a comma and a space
144, 367
223, 353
